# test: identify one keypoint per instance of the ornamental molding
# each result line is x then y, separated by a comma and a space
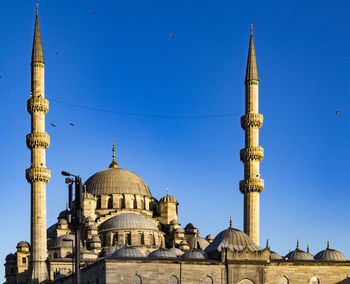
251, 185
255, 153
37, 103
38, 174
252, 120
38, 140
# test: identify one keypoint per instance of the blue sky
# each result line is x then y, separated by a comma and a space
122, 59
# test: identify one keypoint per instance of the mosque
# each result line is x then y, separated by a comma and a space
129, 236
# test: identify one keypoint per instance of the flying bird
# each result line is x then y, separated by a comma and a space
57, 52
92, 13
53, 125
71, 124
9, 91
172, 36
337, 112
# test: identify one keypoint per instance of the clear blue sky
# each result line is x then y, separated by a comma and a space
123, 59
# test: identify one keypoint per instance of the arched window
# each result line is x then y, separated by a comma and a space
142, 239
136, 279
283, 280
207, 280
55, 255
128, 239
98, 203
314, 280
115, 239
173, 280
110, 202
246, 281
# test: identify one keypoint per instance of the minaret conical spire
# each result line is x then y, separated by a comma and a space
252, 69
37, 52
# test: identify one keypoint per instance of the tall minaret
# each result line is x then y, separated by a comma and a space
252, 154
38, 175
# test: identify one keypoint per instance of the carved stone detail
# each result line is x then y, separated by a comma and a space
38, 140
37, 103
38, 174
251, 185
252, 153
252, 120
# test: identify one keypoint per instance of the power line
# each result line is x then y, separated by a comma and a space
143, 114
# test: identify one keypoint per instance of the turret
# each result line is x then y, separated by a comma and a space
252, 154
167, 210
38, 175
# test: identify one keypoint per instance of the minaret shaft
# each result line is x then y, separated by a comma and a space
38, 175
252, 154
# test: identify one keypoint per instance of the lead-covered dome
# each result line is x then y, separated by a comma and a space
232, 239
127, 221
330, 255
299, 254
116, 180
194, 254
127, 252
162, 253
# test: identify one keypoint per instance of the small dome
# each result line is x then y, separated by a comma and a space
22, 244
179, 230
128, 221
184, 242
209, 238
190, 226
89, 219
162, 253
232, 239
63, 214
276, 256
116, 180
51, 231
173, 222
197, 242
194, 254
167, 198
127, 252
10, 256
330, 255
176, 251
64, 241
87, 195
95, 239
299, 254
62, 221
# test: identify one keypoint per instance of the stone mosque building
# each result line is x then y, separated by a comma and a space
131, 237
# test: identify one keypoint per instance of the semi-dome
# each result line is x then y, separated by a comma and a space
127, 221
162, 253
127, 252
232, 239
330, 255
116, 180
299, 254
194, 254
198, 242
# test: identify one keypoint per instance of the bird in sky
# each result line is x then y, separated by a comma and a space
71, 124
337, 112
57, 52
172, 36
53, 125
92, 13
9, 91
0, 76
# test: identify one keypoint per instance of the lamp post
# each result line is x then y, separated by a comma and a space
76, 209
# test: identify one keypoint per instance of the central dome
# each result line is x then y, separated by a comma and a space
116, 180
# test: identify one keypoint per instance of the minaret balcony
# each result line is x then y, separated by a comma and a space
251, 120
38, 174
251, 185
38, 140
37, 103
255, 153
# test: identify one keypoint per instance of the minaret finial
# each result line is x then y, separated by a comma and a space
251, 29
230, 221
328, 244
297, 243
37, 7
114, 163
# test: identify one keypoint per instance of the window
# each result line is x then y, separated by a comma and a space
128, 239
314, 280
207, 280
98, 204
173, 280
136, 280
246, 281
110, 202
24, 260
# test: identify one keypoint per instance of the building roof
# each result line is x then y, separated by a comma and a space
37, 51
64, 241
116, 180
252, 69
330, 255
299, 254
162, 253
127, 252
194, 254
128, 221
232, 239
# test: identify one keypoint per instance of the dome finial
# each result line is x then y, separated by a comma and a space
267, 243
230, 221
297, 243
167, 191
307, 248
328, 244
114, 163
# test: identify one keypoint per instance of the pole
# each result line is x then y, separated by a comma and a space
77, 215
